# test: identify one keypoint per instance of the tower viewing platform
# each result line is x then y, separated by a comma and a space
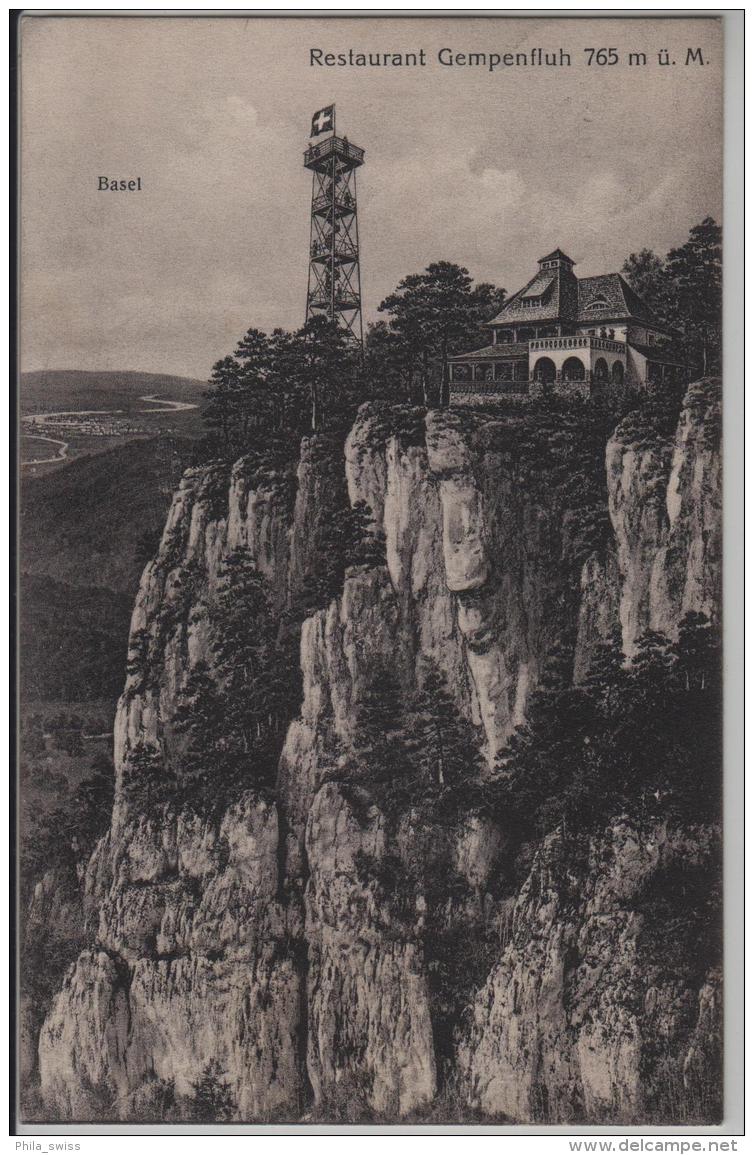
318, 156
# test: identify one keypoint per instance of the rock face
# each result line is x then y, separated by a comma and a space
191, 966
664, 501
561, 1028
260, 944
54, 932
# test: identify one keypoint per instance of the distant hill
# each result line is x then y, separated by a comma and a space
52, 389
94, 521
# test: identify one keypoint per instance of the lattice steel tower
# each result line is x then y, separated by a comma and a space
334, 288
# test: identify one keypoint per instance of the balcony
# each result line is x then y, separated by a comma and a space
317, 155
605, 344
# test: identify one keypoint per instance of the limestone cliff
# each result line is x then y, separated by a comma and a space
275, 943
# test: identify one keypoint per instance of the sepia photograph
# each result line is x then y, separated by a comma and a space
370, 695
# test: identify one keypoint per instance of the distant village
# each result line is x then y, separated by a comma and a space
90, 426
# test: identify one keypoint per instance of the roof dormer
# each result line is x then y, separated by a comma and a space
556, 260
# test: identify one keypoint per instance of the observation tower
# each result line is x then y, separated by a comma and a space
334, 286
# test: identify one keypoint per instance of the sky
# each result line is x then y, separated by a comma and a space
488, 169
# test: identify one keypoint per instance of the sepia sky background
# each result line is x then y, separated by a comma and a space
491, 170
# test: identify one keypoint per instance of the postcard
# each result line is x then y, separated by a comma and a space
370, 544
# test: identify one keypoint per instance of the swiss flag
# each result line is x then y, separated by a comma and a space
323, 121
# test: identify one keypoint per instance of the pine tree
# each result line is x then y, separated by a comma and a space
436, 313
652, 660
349, 537
223, 398
695, 270
444, 747
647, 276
380, 745
607, 675
363, 542
255, 397
244, 648
387, 363
323, 365
199, 721
147, 780
286, 390
697, 652
212, 1101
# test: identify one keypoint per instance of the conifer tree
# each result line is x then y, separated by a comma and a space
284, 390
147, 781
244, 648
380, 744
223, 395
697, 652
436, 313
349, 537
323, 365
199, 721
695, 271
212, 1101
606, 676
652, 659
254, 406
443, 745
387, 363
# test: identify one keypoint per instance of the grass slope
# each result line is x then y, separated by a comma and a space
86, 532
82, 524
73, 641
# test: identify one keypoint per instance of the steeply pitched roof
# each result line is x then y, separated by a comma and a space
620, 300
576, 299
538, 288
548, 284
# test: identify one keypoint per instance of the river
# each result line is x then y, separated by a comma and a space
164, 404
